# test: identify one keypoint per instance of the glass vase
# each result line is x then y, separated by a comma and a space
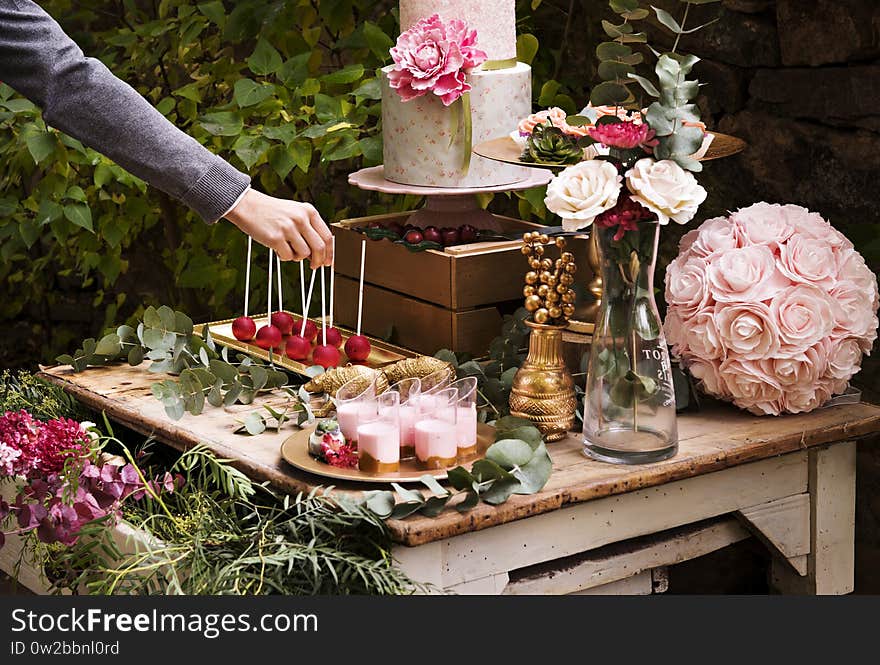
629, 407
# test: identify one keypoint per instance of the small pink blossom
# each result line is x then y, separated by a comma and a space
624, 135
556, 117
435, 56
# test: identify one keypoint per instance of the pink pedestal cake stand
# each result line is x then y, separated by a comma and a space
445, 203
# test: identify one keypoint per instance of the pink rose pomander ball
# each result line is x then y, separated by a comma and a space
771, 308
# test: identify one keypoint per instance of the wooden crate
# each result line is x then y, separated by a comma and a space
416, 324
482, 273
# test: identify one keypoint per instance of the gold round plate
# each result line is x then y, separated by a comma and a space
505, 149
295, 451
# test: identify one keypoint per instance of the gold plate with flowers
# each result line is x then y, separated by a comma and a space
505, 149
295, 451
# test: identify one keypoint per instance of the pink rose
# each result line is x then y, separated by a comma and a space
751, 387
710, 378
687, 285
747, 274
702, 338
852, 316
747, 330
687, 240
434, 56
812, 225
844, 358
800, 371
804, 316
674, 332
715, 235
808, 260
851, 267
807, 398
557, 117
763, 224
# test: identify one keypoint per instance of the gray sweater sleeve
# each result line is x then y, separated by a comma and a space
81, 97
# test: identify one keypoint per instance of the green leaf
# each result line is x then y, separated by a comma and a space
531, 435
609, 93
460, 478
285, 133
250, 149
509, 423
109, 345
301, 151
647, 86
348, 74
103, 174
215, 11
431, 483
622, 6
526, 48
611, 70
265, 59
254, 423
667, 20
250, 93
222, 123
79, 214
534, 475
380, 502
295, 71
377, 40
612, 51
548, 93
510, 453
281, 160
434, 505
370, 89
408, 495
500, 491
136, 356
470, 501
40, 145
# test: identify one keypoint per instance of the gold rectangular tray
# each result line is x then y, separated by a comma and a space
382, 354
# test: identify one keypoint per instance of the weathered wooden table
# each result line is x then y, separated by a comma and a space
595, 528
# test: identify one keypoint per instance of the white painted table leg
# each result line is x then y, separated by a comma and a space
831, 561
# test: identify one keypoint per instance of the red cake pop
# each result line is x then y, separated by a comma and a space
268, 337
358, 348
298, 348
283, 321
244, 328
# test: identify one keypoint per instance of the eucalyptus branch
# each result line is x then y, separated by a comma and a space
687, 8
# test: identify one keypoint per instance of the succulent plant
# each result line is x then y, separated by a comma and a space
549, 145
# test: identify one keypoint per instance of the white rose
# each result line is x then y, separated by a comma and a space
665, 189
583, 192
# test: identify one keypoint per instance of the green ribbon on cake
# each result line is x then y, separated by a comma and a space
458, 113
493, 65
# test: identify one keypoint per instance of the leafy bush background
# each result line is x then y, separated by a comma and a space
285, 90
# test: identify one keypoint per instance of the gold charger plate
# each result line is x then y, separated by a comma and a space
505, 149
381, 355
295, 451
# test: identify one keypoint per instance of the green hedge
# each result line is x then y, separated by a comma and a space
287, 91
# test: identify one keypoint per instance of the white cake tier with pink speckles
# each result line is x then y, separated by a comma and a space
494, 21
416, 134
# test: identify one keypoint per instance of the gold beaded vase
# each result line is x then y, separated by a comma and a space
543, 390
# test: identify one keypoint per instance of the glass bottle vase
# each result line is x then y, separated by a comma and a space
629, 407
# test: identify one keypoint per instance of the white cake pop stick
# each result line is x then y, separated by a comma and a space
302, 332
361, 286
302, 286
323, 308
278, 275
247, 276
333, 282
269, 289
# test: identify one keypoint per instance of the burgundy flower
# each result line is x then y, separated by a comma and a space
625, 216
625, 135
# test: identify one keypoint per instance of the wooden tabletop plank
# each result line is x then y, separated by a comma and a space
715, 438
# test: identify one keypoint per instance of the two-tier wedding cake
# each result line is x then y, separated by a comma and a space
427, 139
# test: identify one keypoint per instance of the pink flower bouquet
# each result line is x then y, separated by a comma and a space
435, 56
771, 308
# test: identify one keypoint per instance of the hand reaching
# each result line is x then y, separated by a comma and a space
294, 230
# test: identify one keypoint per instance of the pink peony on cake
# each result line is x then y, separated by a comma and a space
453, 54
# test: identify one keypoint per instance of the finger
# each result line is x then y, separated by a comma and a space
295, 255
326, 235
317, 245
296, 242
284, 250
